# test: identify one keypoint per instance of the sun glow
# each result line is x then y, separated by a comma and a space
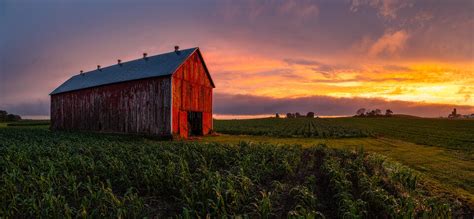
429, 82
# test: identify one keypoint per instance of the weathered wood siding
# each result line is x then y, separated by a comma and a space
142, 106
192, 91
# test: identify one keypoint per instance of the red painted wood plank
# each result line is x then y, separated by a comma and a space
192, 91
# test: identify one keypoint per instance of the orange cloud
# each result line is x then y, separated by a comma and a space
433, 82
390, 43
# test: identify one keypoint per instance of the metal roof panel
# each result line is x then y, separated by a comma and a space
154, 66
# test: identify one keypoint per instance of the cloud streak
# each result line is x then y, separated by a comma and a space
391, 43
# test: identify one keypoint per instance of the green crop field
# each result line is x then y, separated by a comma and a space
454, 134
299, 168
79, 174
301, 127
28, 123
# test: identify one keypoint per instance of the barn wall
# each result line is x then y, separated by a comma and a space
141, 106
192, 91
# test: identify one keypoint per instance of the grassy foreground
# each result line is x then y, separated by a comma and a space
57, 174
452, 170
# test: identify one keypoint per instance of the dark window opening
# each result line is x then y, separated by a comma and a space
100, 126
195, 123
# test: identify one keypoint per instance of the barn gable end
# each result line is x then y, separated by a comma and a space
192, 92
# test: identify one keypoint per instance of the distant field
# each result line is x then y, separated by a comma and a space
454, 134
301, 127
66, 174
28, 123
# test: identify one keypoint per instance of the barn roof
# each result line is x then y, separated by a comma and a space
155, 66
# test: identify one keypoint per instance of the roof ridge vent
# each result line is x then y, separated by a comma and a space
145, 56
119, 62
81, 73
176, 50
98, 68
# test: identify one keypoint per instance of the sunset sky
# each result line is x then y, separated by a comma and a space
330, 57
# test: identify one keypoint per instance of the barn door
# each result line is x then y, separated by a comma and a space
195, 123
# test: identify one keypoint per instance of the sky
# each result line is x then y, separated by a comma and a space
265, 56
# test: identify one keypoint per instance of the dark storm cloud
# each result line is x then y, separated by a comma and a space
324, 105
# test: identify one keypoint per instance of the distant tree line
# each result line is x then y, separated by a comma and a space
297, 115
454, 114
362, 112
6, 117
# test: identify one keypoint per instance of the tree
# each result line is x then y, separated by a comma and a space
370, 113
310, 115
5, 117
277, 115
297, 115
13, 118
388, 112
360, 112
378, 112
290, 115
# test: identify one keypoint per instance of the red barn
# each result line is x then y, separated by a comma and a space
166, 95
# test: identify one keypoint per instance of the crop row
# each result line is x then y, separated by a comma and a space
453, 134
299, 127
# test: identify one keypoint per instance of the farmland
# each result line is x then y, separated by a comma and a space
452, 170
453, 134
328, 167
300, 127
441, 149
103, 175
